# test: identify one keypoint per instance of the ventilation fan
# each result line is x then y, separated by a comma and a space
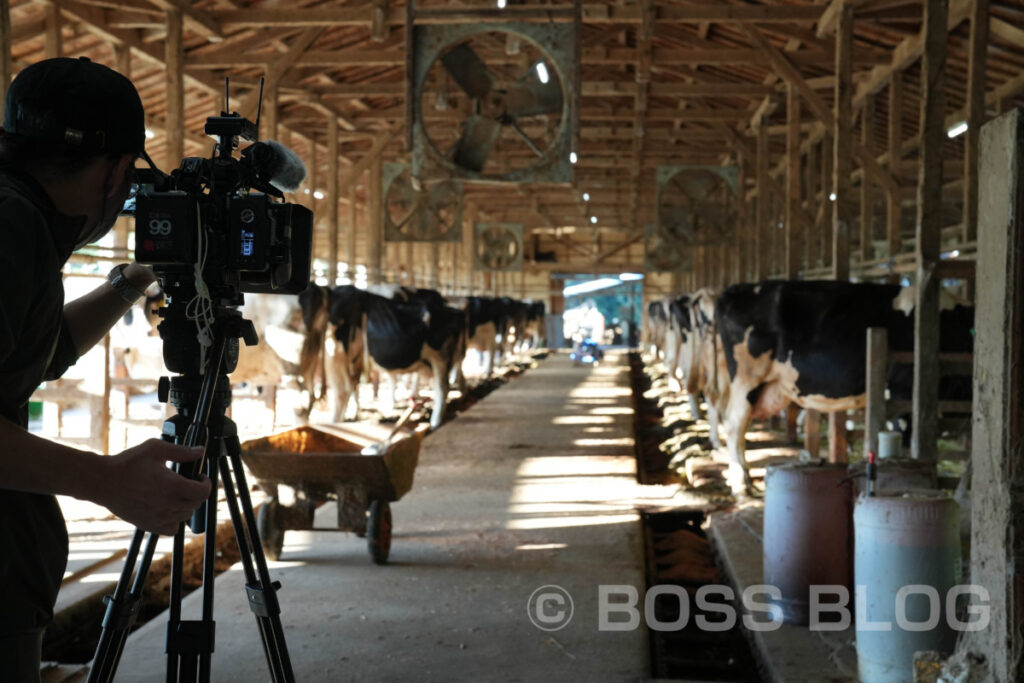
498, 246
420, 210
697, 204
483, 111
665, 252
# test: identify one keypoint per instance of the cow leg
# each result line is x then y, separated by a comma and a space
414, 386
737, 419
440, 393
489, 361
716, 441
695, 406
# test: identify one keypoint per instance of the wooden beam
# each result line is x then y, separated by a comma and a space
372, 156
332, 197
761, 227
867, 206
374, 216
174, 54
782, 64
827, 23
593, 13
196, 19
353, 229
794, 231
277, 69
625, 244
894, 207
929, 233
53, 46
977, 49
842, 165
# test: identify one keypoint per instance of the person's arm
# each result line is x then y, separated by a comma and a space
89, 317
135, 485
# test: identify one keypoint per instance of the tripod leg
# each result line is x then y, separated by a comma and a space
189, 644
122, 609
261, 591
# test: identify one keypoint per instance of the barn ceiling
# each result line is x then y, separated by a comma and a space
666, 83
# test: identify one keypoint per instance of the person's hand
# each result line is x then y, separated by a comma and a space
139, 488
140, 275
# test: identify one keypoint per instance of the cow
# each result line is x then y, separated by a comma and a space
486, 322
416, 336
657, 323
800, 342
701, 362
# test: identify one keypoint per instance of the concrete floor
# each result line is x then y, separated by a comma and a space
534, 485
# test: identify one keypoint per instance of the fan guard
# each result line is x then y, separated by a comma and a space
420, 210
498, 246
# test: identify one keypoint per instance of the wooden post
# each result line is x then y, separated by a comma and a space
894, 209
997, 529
739, 273
174, 58
123, 60
812, 431
837, 437
975, 113
877, 365
929, 228
761, 220
867, 205
794, 234
53, 43
811, 193
353, 230
843, 146
331, 197
374, 224
6, 58
434, 274
269, 112
827, 188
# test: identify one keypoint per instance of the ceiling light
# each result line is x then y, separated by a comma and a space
542, 72
831, 196
586, 196
150, 134
501, 4
573, 158
318, 195
593, 219
958, 129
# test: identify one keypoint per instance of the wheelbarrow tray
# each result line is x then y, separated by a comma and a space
317, 460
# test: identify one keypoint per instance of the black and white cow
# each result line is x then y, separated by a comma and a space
657, 324
802, 342
333, 348
486, 323
421, 335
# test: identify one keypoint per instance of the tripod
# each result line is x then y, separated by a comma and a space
201, 400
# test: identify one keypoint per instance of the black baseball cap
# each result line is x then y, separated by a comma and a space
76, 106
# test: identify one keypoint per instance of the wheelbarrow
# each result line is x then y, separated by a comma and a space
364, 471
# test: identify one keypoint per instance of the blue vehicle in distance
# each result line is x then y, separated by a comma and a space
587, 352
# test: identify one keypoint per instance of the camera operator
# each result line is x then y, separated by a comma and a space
72, 131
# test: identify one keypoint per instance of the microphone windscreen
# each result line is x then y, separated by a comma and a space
281, 165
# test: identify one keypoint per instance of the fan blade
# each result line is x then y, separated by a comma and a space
476, 142
468, 70
530, 97
528, 140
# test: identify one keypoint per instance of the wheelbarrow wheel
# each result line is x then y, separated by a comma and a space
269, 528
378, 530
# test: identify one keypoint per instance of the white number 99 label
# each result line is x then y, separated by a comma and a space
160, 227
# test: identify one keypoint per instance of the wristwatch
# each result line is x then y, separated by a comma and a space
123, 285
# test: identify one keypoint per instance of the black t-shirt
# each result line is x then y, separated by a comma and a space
35, 242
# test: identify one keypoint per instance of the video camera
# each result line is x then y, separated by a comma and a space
205, 214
